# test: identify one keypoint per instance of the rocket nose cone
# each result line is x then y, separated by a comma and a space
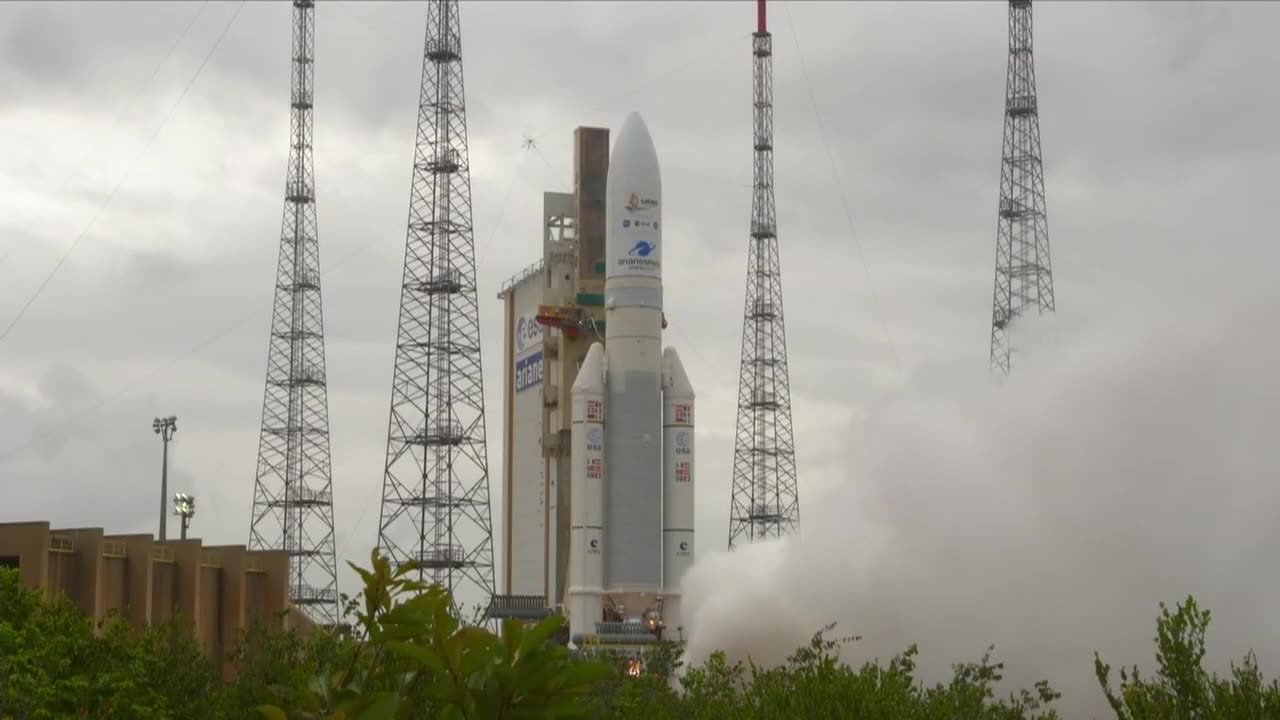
634, 139
634, 123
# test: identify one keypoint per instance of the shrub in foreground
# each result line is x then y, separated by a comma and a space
409, 657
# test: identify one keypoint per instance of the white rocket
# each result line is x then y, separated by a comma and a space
631, 504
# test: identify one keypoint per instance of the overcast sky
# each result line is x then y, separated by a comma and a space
1160, 153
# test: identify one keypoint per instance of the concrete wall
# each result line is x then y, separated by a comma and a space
525, 560
164, 590
138, 577
255, 597
115, 587
63, 574
590, 173
88, 571
209, 621
29, 542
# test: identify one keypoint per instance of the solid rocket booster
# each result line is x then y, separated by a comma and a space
586, 489
677, 482
631, 512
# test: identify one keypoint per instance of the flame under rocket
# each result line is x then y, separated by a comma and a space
631, 502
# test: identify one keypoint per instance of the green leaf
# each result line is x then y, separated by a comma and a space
271, 712
423, 655
384, 707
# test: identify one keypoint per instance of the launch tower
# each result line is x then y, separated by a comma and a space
765, 499
1024, 278
435, 493
293, 487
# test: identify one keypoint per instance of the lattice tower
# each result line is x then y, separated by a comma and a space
435, 494
765, 500
293, 489
1024, 276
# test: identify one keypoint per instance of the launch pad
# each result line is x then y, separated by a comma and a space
599, 437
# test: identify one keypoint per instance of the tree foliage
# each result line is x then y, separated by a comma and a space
409, 656
1181, 688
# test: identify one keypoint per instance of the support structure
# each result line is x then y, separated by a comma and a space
765, 499
184, 506
435, 492
293, 490
1024, 276
165, 428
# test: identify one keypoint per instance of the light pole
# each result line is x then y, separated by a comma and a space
184, 506
165, 428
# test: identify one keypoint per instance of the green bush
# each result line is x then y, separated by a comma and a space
409, 656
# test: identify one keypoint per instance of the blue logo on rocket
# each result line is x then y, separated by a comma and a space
642, 249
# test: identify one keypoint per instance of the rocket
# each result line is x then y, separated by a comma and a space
632, 479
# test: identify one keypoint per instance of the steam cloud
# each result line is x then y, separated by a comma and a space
1129, 459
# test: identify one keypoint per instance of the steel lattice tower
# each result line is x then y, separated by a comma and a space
435, 493
293, 490
1024, 278
765, 501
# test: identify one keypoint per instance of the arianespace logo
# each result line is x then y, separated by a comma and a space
641, 259
594, 546
529, 371
635, 202
684, 548
527, 331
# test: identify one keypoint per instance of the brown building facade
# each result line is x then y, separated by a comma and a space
218, 589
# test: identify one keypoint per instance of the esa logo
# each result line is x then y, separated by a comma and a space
527, 331
682, 444
684, 548
642, 248
593, 547
593, 440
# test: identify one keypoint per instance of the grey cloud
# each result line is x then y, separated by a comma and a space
1159, 167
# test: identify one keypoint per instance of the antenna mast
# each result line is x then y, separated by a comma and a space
293, 489
765, 502
435, 492
1024, 277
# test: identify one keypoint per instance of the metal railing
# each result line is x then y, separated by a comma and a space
520, 277
162, 554
62, 544
113, 549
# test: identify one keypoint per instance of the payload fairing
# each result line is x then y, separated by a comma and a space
631, 504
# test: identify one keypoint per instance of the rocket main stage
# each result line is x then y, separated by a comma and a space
631, 496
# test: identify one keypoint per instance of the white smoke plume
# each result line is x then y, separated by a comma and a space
1130, 458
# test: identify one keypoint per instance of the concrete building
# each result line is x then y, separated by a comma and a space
218, 589
553, 311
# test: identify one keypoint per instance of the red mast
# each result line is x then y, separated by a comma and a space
760, 16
